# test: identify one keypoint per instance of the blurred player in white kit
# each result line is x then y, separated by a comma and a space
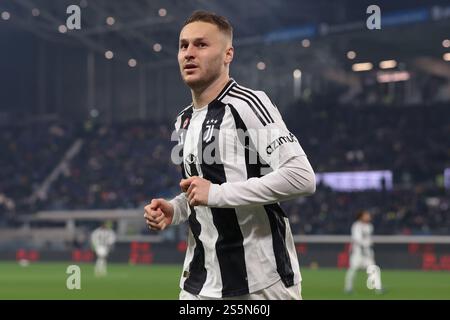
362, 255
102, 239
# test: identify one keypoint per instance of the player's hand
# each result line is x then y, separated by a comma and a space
158, 214
197, 190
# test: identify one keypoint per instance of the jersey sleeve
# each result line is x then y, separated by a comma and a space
292, 179
358, 237
356, 234
112, 237
272, 140
94, 238
181, 209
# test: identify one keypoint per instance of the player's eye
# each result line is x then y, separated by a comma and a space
202, 45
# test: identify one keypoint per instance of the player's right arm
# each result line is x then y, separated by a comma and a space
358, 238
356, 234
161, 213
180, 208
94, 239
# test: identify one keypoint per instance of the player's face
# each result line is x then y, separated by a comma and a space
203, 55
366, 217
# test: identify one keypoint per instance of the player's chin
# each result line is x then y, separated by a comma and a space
192, 80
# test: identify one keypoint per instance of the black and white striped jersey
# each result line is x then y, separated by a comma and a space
362, 239
241, 242
103, 237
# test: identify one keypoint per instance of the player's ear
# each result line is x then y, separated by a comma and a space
229, 54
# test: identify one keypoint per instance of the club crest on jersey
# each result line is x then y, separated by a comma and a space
207, 136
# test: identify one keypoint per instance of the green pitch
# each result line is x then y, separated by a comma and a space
48, 281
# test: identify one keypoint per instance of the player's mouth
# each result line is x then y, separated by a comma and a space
190, 67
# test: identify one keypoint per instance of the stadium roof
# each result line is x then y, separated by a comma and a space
140, 24
314, 36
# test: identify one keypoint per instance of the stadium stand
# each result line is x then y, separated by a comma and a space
116, 165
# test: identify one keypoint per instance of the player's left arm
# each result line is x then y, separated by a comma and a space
292, 174
112, 238
291, 179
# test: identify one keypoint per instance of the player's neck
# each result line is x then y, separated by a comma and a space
203, 96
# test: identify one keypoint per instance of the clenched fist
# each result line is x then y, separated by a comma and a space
197, 190
158, 214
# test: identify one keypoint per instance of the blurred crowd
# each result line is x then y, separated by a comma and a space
119, 166
125, 165
28, 154
420, 210
413, 142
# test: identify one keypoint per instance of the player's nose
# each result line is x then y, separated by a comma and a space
189, 53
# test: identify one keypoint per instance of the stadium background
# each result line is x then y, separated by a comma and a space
85, 136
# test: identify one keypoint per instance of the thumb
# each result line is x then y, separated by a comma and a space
163, 207
185, 183
155, 203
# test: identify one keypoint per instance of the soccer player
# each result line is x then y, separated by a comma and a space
102, 239
361, 253
240, 244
